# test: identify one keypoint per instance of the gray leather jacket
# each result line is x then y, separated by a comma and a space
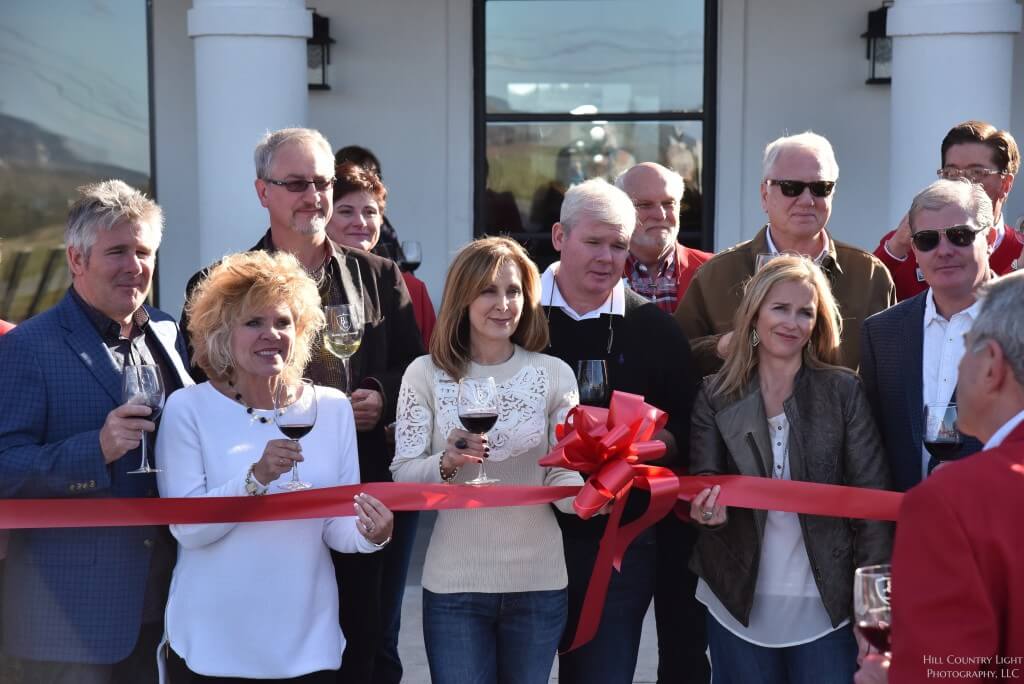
832, 440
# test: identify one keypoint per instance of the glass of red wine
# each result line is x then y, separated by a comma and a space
592, 380
942, 438
871, 589
295, 416
478, 412
144, 385
413, 255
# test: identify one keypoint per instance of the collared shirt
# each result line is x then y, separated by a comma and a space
1002, 433
818, 259
659, 285
550, 295
940, 355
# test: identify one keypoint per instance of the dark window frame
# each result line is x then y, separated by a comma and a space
707, 116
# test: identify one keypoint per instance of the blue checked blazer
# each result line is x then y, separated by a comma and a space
891, 360
71, 595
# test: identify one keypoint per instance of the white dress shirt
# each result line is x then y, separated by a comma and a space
999, 435
941, 353
550, 295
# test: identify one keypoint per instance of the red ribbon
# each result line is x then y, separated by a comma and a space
611, 446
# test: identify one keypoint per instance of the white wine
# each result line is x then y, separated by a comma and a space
342, 345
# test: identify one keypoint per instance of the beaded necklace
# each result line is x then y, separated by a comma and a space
248, 409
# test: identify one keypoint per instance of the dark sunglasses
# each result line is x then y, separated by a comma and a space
960, 236
300, 185
792, 188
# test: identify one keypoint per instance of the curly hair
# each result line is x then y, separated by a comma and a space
240, 285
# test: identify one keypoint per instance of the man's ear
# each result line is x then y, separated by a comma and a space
77, 261
1007, 184
764, 197
558, 236
261, 190
997, 370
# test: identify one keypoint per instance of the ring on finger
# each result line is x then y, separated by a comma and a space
461, 443
707, 515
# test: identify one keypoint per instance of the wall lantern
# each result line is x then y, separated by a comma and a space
879, 46
318, 53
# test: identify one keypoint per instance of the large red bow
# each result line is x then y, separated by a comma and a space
610, 446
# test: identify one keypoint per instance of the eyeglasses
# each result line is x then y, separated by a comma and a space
792, 188
300, 184
959, 236
975, 174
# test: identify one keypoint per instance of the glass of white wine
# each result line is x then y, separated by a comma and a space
344, 334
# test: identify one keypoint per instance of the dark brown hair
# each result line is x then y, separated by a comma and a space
350, 177
1004, 148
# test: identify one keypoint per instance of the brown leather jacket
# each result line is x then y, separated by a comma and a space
832, 440
860, 282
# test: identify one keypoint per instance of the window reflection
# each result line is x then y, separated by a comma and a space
74, 109
530, 166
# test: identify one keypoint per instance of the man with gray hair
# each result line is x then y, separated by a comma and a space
799, 175
958, 561
659, 268
86, 605
909, 354
593, 317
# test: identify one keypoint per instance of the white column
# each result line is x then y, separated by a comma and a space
952, 61
250, 60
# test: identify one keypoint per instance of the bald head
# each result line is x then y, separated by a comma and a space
657, 193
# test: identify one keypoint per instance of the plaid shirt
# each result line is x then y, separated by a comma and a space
668, 285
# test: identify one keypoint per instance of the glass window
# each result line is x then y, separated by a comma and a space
595, 56
580, 89
74, 109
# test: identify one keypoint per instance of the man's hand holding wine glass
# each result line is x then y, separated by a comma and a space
123, 429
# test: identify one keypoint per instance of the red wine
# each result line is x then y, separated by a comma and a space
295, 431
943, 451
478, 423
410, 265
877, 634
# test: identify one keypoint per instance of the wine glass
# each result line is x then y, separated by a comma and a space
592, 378
295, 416
871, 588
344, 334
144, 385
478, 412
413, 255
942, 438
762, 260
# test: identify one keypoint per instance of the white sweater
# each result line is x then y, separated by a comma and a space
254, 600
494, 550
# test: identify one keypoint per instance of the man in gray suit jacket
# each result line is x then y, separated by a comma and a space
86, 605
910, 353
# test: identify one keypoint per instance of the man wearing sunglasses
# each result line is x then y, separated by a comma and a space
910, 353
977, 151
295, 183
797, 187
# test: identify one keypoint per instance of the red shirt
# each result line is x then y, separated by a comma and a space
422, 307
668, 285
909, 281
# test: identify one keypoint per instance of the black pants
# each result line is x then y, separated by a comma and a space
178, 673
680, 617
359, 608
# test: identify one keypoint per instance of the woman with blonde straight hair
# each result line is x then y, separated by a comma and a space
494, 599
777, 585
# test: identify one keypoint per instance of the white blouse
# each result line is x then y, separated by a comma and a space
787, 608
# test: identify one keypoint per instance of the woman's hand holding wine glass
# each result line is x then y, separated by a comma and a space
295, 416
478, 412
279, 455
464, 447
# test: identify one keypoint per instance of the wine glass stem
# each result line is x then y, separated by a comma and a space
481, 475
295, 466
144, 466
347, 379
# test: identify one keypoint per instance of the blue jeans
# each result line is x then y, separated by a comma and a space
832, 659
478, 638
396, 556
610, 658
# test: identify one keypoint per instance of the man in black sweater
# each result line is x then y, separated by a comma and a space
593, 316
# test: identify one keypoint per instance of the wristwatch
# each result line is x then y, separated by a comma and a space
252, 485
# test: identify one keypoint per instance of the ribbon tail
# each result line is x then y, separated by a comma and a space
664, 487
597, 589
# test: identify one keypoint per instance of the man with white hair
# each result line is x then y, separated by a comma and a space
86, 605
909, 354
659, 268
958, 602
592, 316
799, 175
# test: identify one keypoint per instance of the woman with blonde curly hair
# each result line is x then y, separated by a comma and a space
257, 600
778, 586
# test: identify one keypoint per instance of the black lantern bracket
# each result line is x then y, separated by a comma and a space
318, 52
879, 46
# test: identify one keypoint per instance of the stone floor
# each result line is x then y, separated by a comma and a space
410, 642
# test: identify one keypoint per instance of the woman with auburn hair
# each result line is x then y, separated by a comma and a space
494, 599
257, 600
359, 202
778, 586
